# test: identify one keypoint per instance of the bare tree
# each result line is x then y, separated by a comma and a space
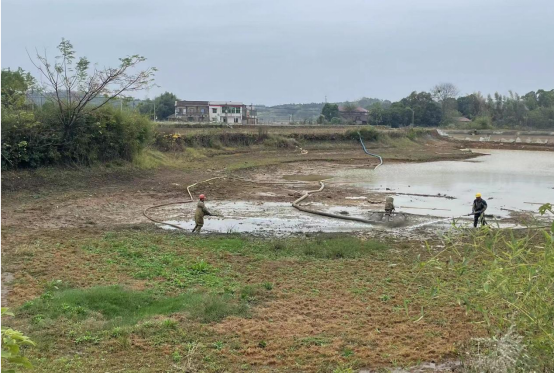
73, 84
445, 94
444, 91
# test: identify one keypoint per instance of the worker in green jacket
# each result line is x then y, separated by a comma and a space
478, 210
201, 211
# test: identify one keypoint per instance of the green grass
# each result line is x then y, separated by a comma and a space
128, 307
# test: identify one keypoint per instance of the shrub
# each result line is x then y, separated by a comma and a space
37, 139
12, 341
368, 133
481, 123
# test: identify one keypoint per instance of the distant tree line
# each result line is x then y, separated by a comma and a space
443, 106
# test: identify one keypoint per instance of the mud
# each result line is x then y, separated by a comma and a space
278, 218
306, 177
451, 366
433, 194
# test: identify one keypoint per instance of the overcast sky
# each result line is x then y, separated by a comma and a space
298, 51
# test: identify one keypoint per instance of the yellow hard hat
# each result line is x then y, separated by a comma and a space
478, 195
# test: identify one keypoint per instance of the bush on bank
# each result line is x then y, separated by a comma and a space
34, 139
216, 138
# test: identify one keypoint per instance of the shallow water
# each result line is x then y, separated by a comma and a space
265, 217
506, 178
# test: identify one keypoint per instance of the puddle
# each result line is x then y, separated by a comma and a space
508, 180
280, 218
306, 177
267, 217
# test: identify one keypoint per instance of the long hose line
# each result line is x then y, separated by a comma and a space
368, 153
295, 204
146, 210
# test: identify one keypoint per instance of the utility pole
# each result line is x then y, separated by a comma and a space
154, 109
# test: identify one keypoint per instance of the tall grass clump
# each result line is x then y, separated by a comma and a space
368, 133
507, 277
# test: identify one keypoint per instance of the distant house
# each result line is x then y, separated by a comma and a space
462, 120
214, 111
192, 111
359, 115
227, 112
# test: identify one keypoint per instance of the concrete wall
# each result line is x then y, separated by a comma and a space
220, 117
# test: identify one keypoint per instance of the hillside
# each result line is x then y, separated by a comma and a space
301, 112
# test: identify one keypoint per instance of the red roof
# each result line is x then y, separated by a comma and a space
463, 119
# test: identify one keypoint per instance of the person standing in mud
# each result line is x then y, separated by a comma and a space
201, 211
389, 205
478, 210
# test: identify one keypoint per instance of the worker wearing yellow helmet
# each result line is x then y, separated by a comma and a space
478, 210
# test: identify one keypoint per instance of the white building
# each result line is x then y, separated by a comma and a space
227, 111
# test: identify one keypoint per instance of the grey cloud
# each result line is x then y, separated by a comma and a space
299, 51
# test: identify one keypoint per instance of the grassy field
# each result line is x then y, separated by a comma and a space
149, 300
227, 303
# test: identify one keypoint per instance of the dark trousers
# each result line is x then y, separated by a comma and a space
476, 219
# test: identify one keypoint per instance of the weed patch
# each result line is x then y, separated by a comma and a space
505, 278
128, 307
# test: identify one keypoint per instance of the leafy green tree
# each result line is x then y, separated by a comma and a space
426, 111
397, 115
164, 105
545, 98
541, 118
472, 106
15, 86
376, 113
531, 100
330, 111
